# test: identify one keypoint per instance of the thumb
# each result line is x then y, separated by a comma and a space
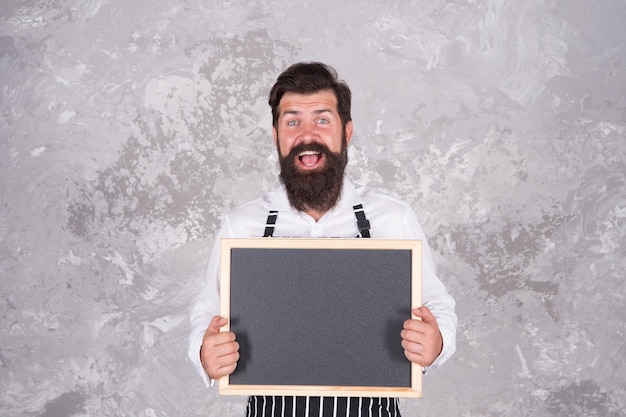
216, 323
424, 313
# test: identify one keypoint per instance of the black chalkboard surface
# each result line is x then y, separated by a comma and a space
320, 316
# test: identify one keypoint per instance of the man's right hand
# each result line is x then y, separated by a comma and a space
220, 351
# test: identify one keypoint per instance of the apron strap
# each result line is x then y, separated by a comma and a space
361, 221
270, 223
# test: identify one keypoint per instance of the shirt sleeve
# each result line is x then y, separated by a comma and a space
207, 305
434, 293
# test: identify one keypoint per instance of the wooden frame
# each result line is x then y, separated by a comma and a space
381, 251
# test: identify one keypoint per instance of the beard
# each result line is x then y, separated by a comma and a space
316, 190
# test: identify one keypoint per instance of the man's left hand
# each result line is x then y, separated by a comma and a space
421, 339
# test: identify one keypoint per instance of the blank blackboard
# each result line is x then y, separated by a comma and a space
320, 316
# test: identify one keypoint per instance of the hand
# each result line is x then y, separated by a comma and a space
421, 339
220, 351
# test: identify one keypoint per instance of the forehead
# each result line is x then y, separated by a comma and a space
320, 100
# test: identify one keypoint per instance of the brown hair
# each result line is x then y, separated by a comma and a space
309, 78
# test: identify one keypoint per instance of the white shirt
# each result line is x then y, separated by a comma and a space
389, 219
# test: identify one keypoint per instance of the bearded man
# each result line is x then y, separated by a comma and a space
312, 128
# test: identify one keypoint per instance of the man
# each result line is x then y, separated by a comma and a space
312, 128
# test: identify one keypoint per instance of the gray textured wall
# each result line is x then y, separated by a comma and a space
127, 128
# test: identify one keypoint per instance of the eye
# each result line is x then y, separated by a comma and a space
323, 121
292, 123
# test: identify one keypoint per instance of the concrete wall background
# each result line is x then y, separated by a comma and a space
128, 128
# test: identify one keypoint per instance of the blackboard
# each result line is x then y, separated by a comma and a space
320, 316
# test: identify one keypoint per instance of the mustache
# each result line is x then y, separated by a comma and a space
311, 146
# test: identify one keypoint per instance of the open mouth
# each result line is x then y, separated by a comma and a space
310, 158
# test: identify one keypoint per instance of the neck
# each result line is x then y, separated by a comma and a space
315, 214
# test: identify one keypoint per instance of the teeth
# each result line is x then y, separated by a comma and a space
308, 153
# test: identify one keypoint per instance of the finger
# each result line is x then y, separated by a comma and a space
216, 323
226, 356
221, 355
215, 339
415, 325
418, 352
412, 335
412, 346
424, 313
414, 352
223, 370
215, 345
216, 371
416, 358
221, 359
421, 338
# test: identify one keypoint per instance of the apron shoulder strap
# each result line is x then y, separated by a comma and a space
270, 223
361, 221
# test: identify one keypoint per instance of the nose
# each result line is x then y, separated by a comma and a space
309, 132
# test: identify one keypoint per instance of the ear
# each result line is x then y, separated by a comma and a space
274, 134
349, 128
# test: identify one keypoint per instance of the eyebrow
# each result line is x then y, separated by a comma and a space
297, 112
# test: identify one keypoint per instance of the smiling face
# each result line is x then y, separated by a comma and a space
309, 123
312, 146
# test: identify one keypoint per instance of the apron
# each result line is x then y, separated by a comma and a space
268, 405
